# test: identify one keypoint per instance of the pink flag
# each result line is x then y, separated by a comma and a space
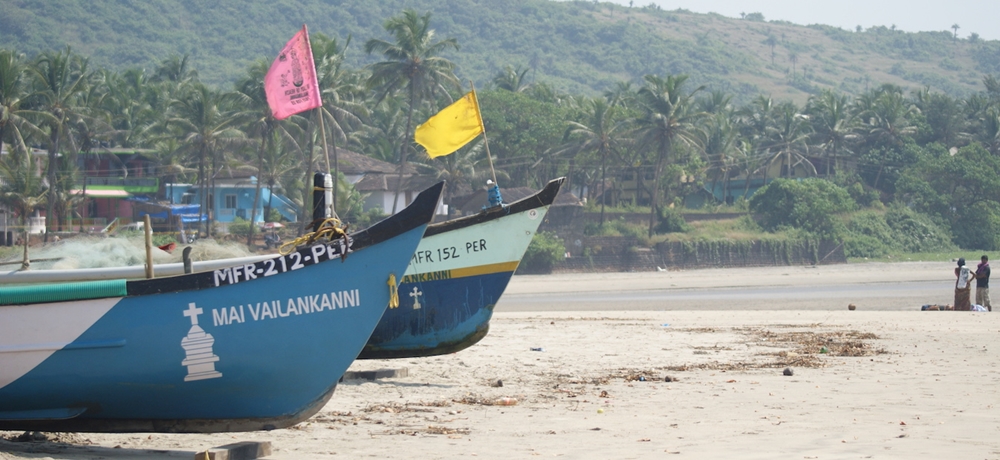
290, 83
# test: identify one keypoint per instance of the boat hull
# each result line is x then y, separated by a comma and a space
234, 354
455, 278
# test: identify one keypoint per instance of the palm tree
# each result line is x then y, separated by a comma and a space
338, 87
412, 63
203, 119
771, 42
60, 79
756, 120
259, 123
990, 135
622, 94
749, 162
175, 69
833, 124
885, 111
171, 162
944, 115
512, 79
13, 90
716, 102
137, 105
21, 190
382, 133
722, 149
789, 141
599, 133
669, 120
886, 122
67, 201
278, 162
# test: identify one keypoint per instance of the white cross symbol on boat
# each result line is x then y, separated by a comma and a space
416, 297
193, 312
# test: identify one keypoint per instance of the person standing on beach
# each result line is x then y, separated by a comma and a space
963, 286
983, 283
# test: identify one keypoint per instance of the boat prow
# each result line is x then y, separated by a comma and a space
255, 346
456, 277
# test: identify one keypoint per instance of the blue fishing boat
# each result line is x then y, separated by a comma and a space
456, 277
257, 346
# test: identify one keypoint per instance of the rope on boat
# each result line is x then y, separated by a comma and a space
330, 229
393, 291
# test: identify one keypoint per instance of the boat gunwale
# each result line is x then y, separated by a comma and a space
543, 197
418, 213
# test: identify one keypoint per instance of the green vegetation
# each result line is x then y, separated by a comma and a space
811, 205
881, 140
239, 227
899, 231
671, 221
576, 47
546, 249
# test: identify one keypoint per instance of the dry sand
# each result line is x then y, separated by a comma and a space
891, 384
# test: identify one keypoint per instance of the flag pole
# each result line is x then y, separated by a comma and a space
486, 141
322, 129
326, 156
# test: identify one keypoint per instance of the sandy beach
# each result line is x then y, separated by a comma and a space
884, 381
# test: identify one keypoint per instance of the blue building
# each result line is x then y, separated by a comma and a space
232, 198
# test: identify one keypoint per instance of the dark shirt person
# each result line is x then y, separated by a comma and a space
983, 283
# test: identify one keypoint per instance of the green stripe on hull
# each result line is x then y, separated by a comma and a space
17, 295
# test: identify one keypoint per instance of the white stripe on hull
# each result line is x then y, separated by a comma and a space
29, 334
505, 240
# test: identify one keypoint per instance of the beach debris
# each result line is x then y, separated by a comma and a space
506, 402
31, 436
376, 374
788, 371
432, 429
823, 350
241, 450
395, 408
600, 411
537, 349
497, 384
604, 394
669, 379
851, 306
476, 400
445, 430
635, 377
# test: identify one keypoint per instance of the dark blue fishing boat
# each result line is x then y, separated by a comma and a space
249, 347
456, 277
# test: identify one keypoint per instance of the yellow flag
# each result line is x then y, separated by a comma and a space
452, 127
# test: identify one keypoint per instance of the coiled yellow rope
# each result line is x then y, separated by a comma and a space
393, 292
330, 229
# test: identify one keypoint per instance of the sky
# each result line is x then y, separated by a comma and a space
979, 16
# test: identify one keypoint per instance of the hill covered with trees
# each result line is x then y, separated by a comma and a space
644, 120
577, 47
